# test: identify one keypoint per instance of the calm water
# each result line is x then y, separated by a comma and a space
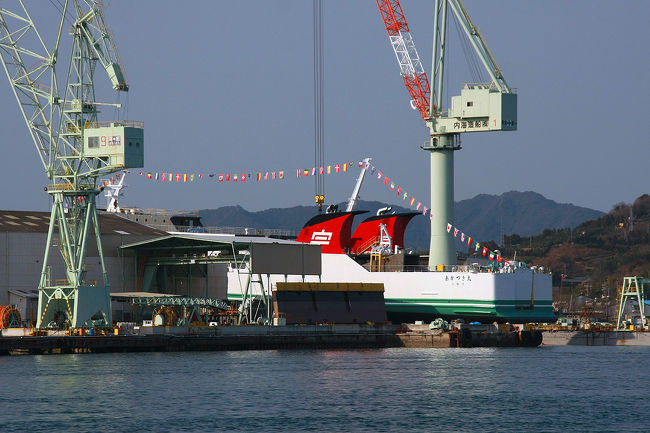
547, 389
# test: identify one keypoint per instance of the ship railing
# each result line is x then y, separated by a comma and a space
446, 268
240, 231
163, 212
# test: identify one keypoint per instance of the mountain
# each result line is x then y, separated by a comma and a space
602, 251
528, 213
484, 217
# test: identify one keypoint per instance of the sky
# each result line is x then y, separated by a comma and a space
227, 87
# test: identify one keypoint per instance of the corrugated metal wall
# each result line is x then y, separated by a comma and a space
21, 261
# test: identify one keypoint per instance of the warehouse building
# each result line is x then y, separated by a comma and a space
23, 235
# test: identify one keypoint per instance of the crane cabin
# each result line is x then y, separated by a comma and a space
479, 107
119, 144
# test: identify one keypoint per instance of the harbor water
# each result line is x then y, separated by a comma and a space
544, 389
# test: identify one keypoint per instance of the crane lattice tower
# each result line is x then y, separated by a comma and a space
74, 146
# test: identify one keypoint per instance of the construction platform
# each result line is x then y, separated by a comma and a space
173, 339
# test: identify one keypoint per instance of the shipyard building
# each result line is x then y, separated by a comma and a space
23, 235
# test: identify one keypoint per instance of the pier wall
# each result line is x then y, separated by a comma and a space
171, 339
595, 338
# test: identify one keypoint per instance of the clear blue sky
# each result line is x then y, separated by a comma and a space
227, 87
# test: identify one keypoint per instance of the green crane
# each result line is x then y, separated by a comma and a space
486, 106
480, 107
74, 147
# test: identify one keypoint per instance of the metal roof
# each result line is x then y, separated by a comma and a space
204, 240
128, 295
24, 293
38, 222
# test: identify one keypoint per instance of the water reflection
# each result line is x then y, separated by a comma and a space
373, 390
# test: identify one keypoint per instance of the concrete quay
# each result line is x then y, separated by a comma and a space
596, 338
174, 339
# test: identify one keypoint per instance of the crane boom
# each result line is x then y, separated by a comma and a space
352, 201
35, 87
411, 69
100, 38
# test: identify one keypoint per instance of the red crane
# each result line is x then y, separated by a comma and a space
415, 78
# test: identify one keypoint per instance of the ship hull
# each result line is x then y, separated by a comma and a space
521, 295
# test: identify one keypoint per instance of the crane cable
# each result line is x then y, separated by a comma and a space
475, 68
59, 8
319, 134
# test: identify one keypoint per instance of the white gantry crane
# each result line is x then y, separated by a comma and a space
488, 106
74, 147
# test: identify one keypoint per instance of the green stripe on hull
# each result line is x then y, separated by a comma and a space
496, 309
443, 302
458, 308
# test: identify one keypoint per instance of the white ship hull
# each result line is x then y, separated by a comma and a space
516, 295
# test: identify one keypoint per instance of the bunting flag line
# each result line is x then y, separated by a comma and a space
463, 236
246, 176
270, 175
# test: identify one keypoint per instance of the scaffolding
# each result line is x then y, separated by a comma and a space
633, 290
